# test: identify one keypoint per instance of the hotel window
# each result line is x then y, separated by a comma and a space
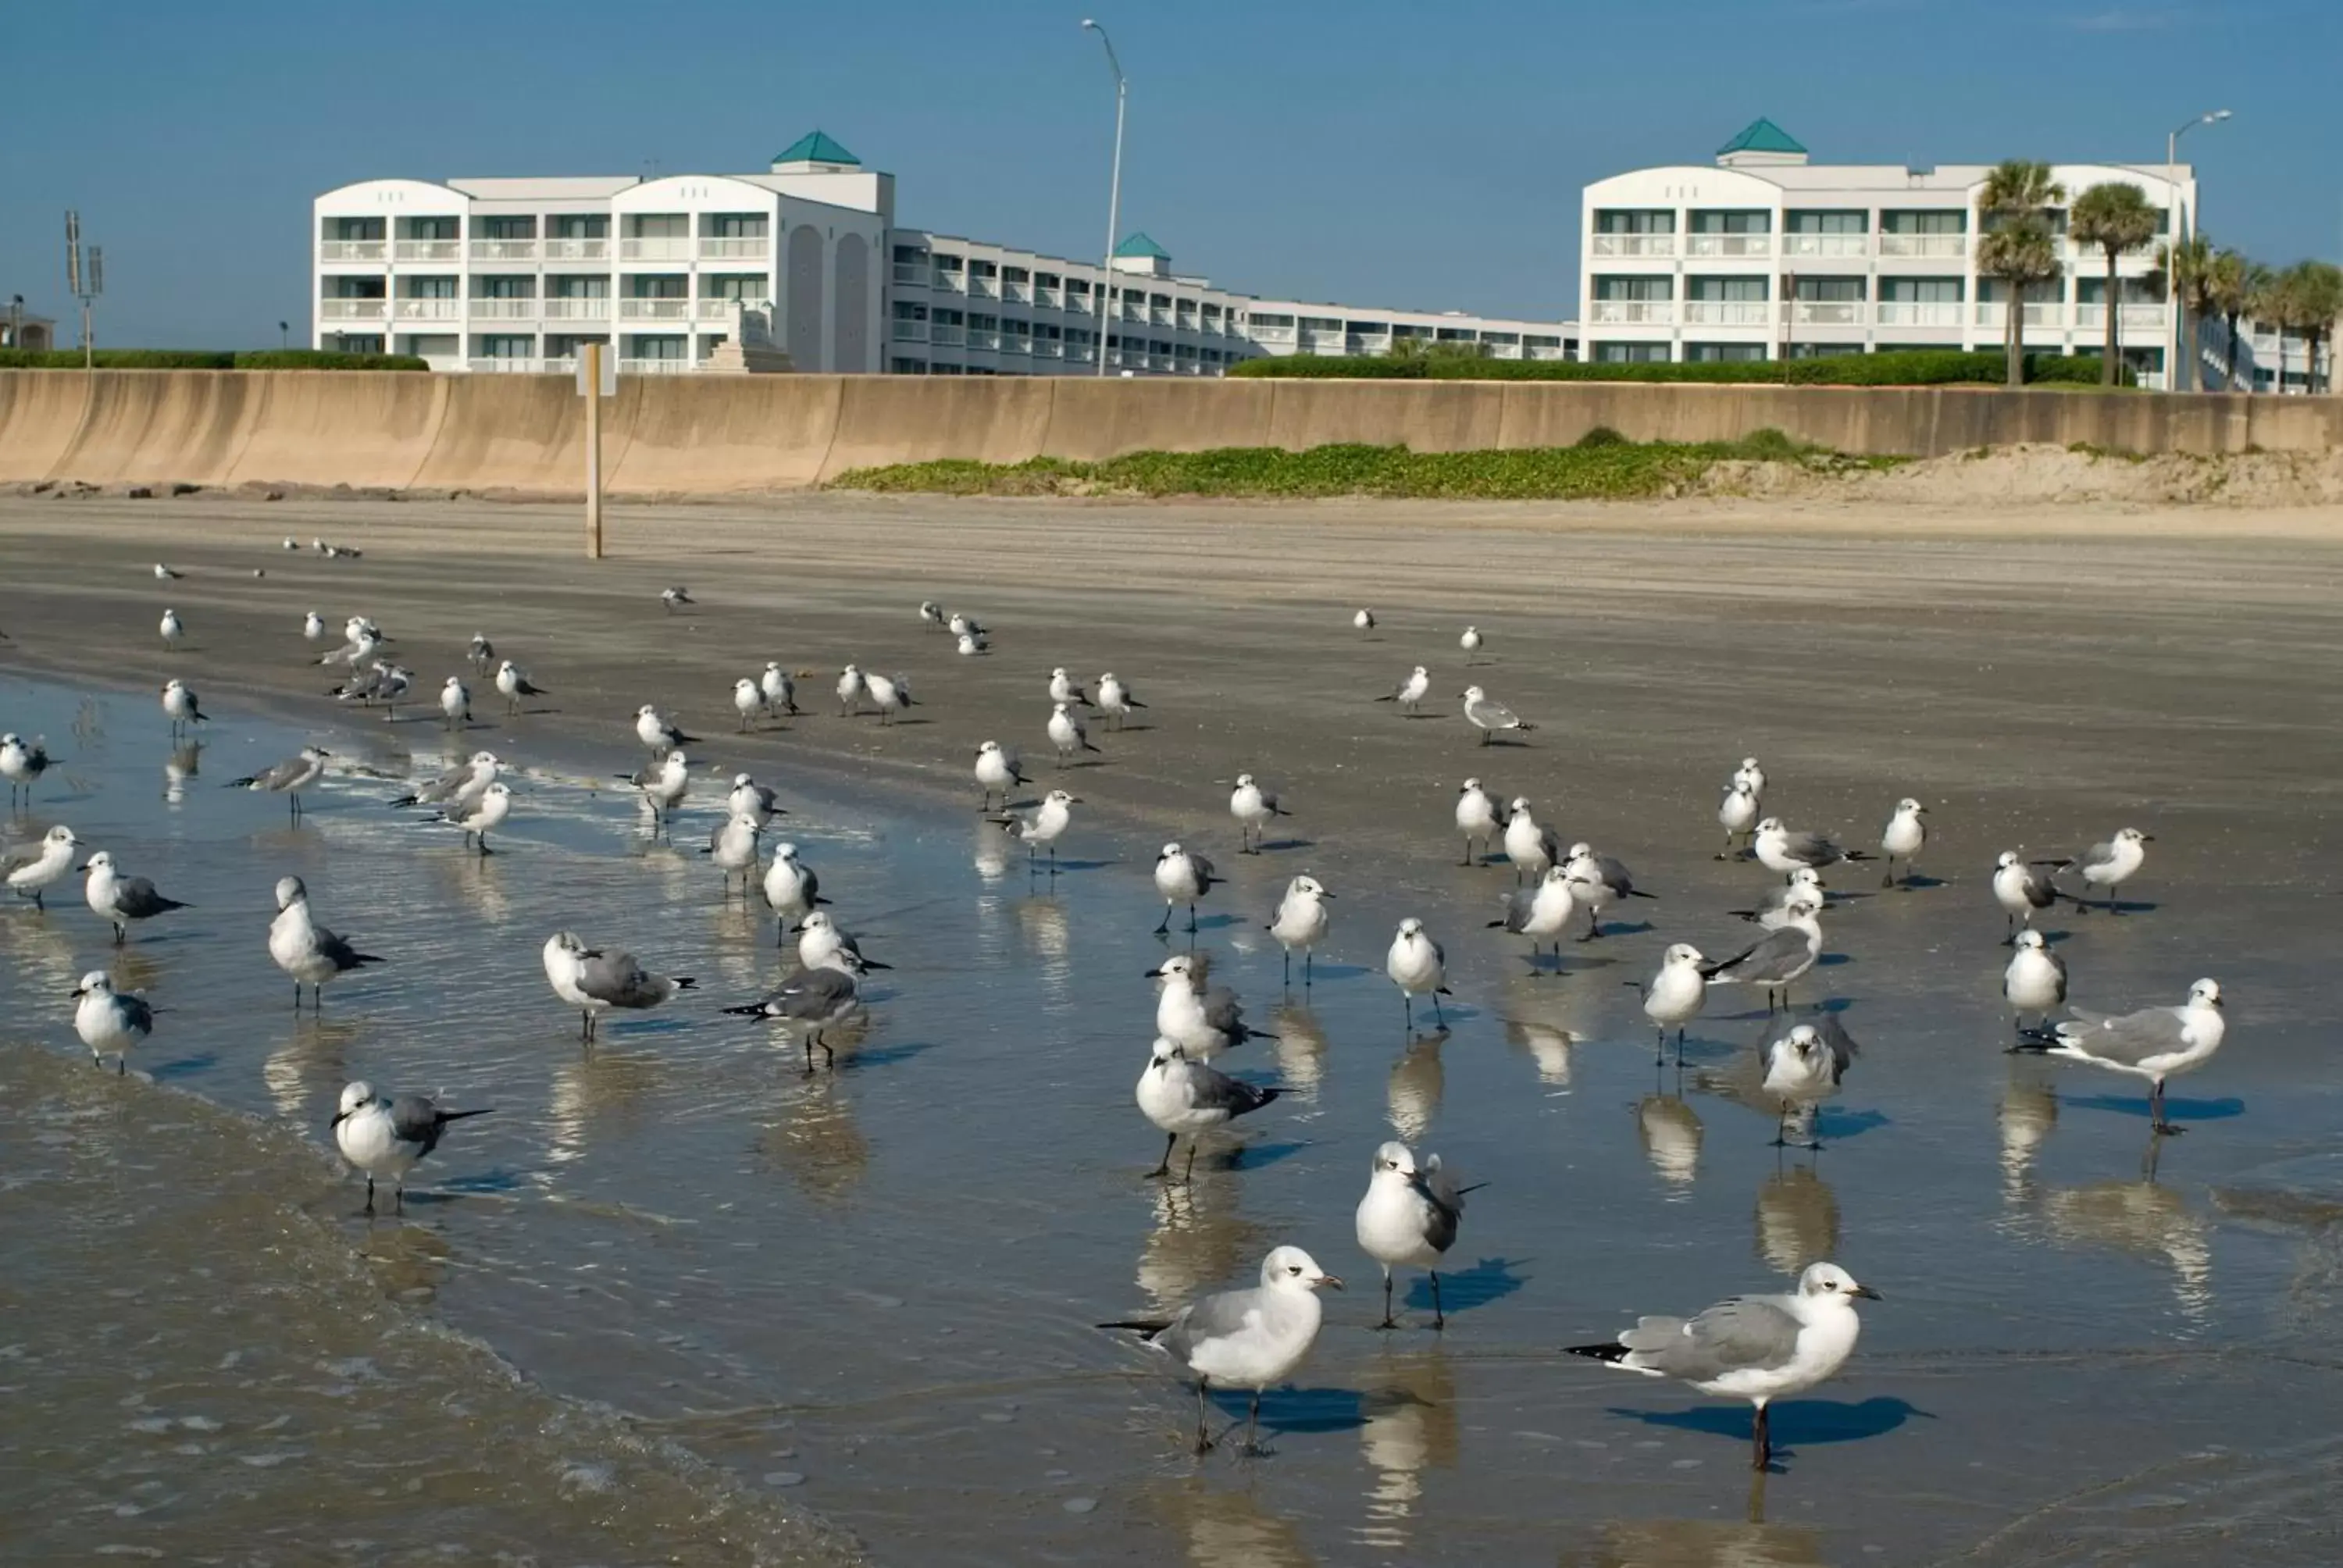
581, 226
736, 226
509, 228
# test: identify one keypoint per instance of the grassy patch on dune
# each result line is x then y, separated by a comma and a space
1602, 466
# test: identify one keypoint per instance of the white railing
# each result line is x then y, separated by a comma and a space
1634, 245
484, 308
658, 247
499, 365
1134, 314
715, 309
910, 332
1045, 299
1919, 313
1366, 343
1185, 321
429, 250
1015, 343
1017, 293
351, 310
352, 249
1996, 314
1795, 244
950, 337
951, 282
1158, 316
655, 366
1728, 244
983, 288
440, 309
1547, 351
1049, 349
654, 309
576, 249
1273, 334
1328, 343
1726, 313
1504, 351
911, 275
1937, 244
2135, 315
1827, 312
577, 308
504, 250
732, 246
1079, 304
1636, 312
985, 338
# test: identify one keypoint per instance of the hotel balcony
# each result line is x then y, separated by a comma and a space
1652, 245
632, 309
1841, 245
1635, 312
428, 250
662, 248
373, 250
589, 307
734, 248
1727, 313
1919, 313
576, 250
504, 250
352, 309
1729, 244
1924, 245
481, 308
2136, 317
656, 367
1826, 312
445, 308
1996, 314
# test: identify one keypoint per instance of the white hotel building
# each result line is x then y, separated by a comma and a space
1767, 254
802, 266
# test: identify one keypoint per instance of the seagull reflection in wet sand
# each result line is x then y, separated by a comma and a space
1411, 1427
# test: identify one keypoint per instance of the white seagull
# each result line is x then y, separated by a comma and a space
2020, 890
1409, 693
109, 1021
2155, 1043
1300, 921
31, 870
1252, 807
1408, 1219
1191, 1096
2035, 981
996, 771
1245, 1338
2105, 866
1114, 699
383, 1137
1491, 717
1181, 876
595, 982
306, 951
1902, 839
121, 899
1478, 816
1419, 967
1068, 733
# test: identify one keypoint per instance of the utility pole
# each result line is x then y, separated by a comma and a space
1114, 188
85, 279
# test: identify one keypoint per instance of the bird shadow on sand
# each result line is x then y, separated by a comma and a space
1622, 929
2111, 907
1247, 1156
1215, 922
1490, 1280
185, 1067
857, 1058
1832, 960
2173, 1110
1835, 1125
1336, 972
634, 1027
1795, 1421
1271, 845
479, 1184
1042, 868
1298, 1410
1916, 882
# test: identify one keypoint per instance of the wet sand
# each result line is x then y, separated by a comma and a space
2079, 1361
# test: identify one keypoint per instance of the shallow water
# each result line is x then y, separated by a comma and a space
736, 1290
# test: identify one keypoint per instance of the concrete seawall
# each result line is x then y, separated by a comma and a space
713, 435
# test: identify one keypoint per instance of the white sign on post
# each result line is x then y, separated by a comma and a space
610, 363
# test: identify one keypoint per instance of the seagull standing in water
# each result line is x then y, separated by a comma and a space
1044, 827
1804, 1068
2020, 890
1300, 921
493, 805
513, 684
2105, 866
461, 784
1252, 807
1408, 1220
121, 899
110, 1022
594, 981
1778, 959
1541, 912
1191, 1096
2155, 1043
383, 1137
733, 846
791, 888
1478, 816
997, 772
1181, 876
1203, 1023
179, 701
2035, 981
750, 798
663, 784
1599, 881
1757, 1348
1676, 994
1419, 967
31, 870
821, 939
306, 951
22, 763
812, 1000
656, 733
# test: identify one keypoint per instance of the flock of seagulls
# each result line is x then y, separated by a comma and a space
1754, 1347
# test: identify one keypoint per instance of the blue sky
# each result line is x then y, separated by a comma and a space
1374, 151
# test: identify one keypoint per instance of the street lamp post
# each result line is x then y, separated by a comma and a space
1114, 189
2180, 231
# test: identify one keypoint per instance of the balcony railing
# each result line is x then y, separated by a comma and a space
1504, 351
946, 335
1726, 313
1636, 312
1994, 313
1728, 244
1932, 245
912, 274
487, 310
1079, 304
579, 308
428, 250
525, 366
1049, 349
1366, 343
352, 249
1017, 293
578, 249
447, 308
1825, 244
1158, 316
1827, 312
1015, 343
1919, 313
1547, 351
656, 367
951, 282
984, 338
504, 250
1280, 334
2135, 315
983, 288
662, 248
351, 310
733, 246
910, 332
1045, 299
1634, 245
654, 309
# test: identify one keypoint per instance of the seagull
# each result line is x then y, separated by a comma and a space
455, 702
33, 868
664, 781
1044, 827
1068, 733
1902, 839
361, 645
1418, 965
1114, 699
384, 1137
1470, 643
2155, 1043
849, 692
676, 599
2035, 981
1541, 912
748, 701
1180, 1095
180, 702
1773, 911
1408, 1219
1203, 1023
1300, 921
121, 899
1750, 776
1488, 716
733, 847
513, 683
2020, 890
1365, 620
174, 631
595, 982
2107, 865
313, 627
656, 733
1804, 1068
1676, 994
1531, 849
780, 691
1252, 807
812, 1000
1757, 1348
1598, 882
964, 625
165, 574
791, 887
891, 694
1736, 815
750, 798
493, 805
821, 939
1478, 816
1776, 958
1780, 849
1410, 692
291, 543
109, 1021
995, 770
461, 784
968, 644
1181, 876
932, 615
1245, 1338
386, 682
306, 951
22, 765
481, 654
288, 778
1063, 689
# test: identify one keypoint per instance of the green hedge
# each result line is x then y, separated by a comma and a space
1905, 367
206, 360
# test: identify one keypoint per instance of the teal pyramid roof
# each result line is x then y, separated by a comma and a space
1763, 136
815, 147
1139, 245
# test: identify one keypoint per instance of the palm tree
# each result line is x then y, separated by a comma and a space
2188, 269
2306, 297
2117, 217
2016, 246
2233, 284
